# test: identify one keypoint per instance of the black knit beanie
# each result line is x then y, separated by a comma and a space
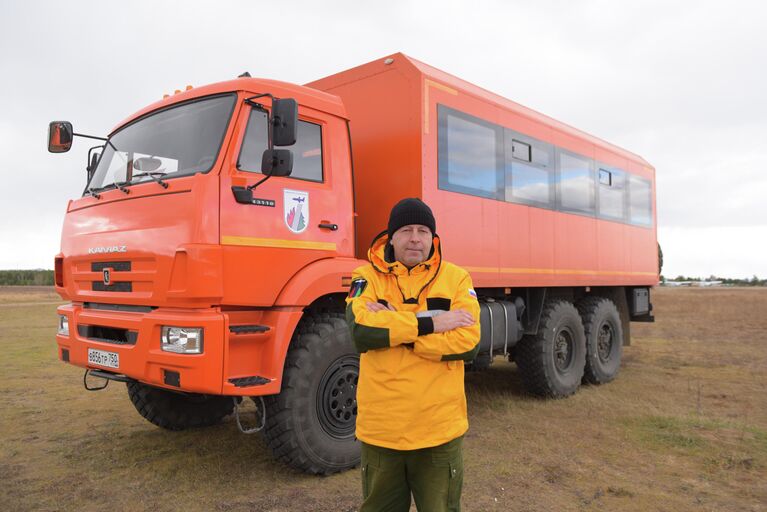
410, 211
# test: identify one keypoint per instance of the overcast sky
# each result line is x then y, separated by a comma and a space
681, 83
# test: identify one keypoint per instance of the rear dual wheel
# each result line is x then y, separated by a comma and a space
552, 362
604, 339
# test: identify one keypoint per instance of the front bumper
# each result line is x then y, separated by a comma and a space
226, 360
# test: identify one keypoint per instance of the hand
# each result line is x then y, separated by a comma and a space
375, 307
452, 320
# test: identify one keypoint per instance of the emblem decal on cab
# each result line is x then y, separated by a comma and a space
296, 210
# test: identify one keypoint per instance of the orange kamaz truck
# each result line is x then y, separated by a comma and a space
209, 256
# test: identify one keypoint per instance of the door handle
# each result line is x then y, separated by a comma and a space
327, 225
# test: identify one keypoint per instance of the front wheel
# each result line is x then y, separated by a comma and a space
310, 424
552, 361
178, 411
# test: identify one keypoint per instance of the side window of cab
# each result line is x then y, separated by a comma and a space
307, 151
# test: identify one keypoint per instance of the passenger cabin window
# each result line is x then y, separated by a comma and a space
528, 179
542, 153
605, 177
469, 154
576, 183
483, 159
612, 194
640, 202
521, 151
307, 151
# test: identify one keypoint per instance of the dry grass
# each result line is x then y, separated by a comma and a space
684, 427
10, 295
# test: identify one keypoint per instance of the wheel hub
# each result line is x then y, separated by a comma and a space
337, 397
563, 350
605, 339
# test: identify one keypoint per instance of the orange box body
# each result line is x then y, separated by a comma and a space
394, 126
195, 257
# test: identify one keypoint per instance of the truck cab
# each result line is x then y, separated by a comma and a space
188, 270
159, 239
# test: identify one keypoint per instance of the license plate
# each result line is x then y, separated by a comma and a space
103, 358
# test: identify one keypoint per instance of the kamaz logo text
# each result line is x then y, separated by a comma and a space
103, 250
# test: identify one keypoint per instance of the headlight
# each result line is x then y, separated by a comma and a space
63, 325
181, 340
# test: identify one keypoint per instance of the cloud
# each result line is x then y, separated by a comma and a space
724, 252
680, 83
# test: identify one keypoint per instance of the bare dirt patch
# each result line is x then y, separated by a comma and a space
683, 427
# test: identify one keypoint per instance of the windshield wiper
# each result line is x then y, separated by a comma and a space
151, 174
117, 184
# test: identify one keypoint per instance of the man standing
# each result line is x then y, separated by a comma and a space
414, 320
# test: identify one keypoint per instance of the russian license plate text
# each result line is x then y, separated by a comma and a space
103, 358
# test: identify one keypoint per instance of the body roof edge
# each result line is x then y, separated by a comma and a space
486, 95
306, 96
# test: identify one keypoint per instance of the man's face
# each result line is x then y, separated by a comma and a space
412, 244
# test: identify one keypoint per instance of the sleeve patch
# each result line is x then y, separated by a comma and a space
357, 287
441, 303
472, 293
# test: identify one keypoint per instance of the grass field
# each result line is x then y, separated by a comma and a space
683, 427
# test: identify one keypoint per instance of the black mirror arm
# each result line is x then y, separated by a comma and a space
96, 138
251, 101
253, 186
89, 136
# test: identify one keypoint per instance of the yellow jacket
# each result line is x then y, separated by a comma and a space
411, 392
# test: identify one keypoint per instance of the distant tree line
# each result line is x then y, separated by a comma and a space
726, 281
26, 277
45, 278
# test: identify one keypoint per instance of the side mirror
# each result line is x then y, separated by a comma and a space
277, 162
94, 162
284, 121
60, 134
94, 154
92, 165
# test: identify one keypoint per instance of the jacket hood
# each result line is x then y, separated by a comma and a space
381, 256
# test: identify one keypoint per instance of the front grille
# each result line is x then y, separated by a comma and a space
108, 334
99, 286
134, 277
113, 266
118, 266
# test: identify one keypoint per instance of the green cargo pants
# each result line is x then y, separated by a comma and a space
434, 476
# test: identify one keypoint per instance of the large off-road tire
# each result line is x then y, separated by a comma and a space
178, 411
660, 260
310, 424
604, 339
552, 362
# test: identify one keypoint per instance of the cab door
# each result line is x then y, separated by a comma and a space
292, 221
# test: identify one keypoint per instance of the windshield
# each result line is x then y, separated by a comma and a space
181, 140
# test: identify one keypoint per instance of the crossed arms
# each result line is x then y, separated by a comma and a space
450, 335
